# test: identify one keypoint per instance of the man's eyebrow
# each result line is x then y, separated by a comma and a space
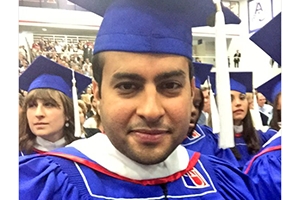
131, 76
159, 77
166, 75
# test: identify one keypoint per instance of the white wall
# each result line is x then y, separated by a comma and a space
58, 18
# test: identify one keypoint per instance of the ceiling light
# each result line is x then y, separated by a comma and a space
44, 29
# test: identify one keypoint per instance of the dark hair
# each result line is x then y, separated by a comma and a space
250, 136
26, 137
276, 115
201, 105
199, 108
98, 62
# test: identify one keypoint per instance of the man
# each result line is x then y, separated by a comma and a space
265, 168
93, 109
206, 107
236, 59
144, 83
264, 108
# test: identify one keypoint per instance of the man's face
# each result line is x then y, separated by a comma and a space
279, 102
261, 99
206, 99
145, 103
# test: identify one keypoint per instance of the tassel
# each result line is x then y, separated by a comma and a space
77, 132
226, 136
256, 119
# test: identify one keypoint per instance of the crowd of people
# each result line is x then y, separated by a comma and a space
77, 56
144, 119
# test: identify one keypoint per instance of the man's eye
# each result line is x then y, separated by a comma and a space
170, 88
126, 86
171, 85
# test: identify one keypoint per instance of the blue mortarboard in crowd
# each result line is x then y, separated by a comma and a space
239, 81
268, 38
151, 26
45, 73
201, 72
271, 88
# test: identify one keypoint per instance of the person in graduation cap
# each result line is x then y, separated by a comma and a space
268, 38
143, 79
201, 138
265, 167
47, 118
248, 139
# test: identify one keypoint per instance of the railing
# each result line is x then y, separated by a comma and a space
66, 38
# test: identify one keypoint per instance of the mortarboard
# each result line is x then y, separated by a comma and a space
271, 88
268, 38
45, 73
152, 26
201, 72
239, 81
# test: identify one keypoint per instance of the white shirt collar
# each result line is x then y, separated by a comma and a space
45, 145
238, 129
99, 149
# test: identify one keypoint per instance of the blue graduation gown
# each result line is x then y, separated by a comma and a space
21, 153
203, 140
67, 173
243, 149
265, 169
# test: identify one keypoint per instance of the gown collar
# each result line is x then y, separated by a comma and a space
275, 136
106, 155
238, 129
45, 145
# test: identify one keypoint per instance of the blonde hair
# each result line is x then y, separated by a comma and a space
249, 96
83, 106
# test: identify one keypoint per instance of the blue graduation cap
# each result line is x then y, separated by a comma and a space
268, 38
271, 88
239, 81
152, 26
45, 73
201, 72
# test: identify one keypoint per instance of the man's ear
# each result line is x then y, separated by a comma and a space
96, 90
